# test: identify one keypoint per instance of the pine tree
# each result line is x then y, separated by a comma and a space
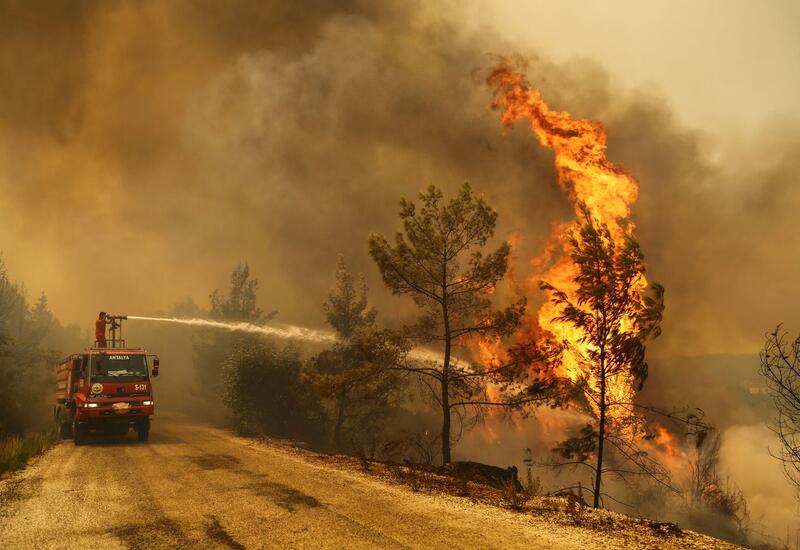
354, 375
438, 262
213, 348
615, 318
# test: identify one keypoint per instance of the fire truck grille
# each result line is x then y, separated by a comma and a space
110, 413
111, 404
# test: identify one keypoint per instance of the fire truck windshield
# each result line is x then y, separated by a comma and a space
118, 367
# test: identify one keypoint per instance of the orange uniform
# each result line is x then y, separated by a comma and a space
100, 332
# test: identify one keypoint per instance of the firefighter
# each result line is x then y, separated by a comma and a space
100, 329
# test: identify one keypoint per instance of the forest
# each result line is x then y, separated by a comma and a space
408, 390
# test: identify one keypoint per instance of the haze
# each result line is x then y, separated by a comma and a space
146, 148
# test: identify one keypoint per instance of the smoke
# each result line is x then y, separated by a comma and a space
771, 499
188, 150
147, 147
284, 135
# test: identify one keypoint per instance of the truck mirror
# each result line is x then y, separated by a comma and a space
76, 364
154, 372
156, 362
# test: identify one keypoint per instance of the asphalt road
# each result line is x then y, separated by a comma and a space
195, 486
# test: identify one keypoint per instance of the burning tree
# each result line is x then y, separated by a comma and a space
590, 333
355, 375
612, 316
437, 261
780, 367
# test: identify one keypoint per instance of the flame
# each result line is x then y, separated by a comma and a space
488, 351
584, 172
666, 444
666, 447
587, 177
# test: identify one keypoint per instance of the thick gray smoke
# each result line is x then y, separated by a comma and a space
147, 147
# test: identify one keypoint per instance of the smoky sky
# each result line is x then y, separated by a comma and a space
148, 147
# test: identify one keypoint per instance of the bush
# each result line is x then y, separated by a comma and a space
15, 451
265, 395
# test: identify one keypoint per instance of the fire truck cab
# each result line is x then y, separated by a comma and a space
105, 390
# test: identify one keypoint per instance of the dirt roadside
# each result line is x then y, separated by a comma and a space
195, 486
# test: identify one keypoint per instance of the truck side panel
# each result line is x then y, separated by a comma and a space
63, 378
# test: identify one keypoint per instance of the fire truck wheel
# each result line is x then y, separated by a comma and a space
143, 430
66, 430
79, 433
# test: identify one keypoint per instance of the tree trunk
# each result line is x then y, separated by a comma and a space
446, 404
337, 429
600, 437
446, 388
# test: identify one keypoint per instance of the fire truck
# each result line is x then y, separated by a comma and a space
105, 390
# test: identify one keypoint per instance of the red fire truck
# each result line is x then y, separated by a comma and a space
105, 390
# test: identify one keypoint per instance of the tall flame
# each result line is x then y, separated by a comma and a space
587, 177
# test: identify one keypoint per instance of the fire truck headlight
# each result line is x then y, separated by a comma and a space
90, 405
145, 403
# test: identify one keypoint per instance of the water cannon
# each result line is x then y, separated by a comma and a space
114, 326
